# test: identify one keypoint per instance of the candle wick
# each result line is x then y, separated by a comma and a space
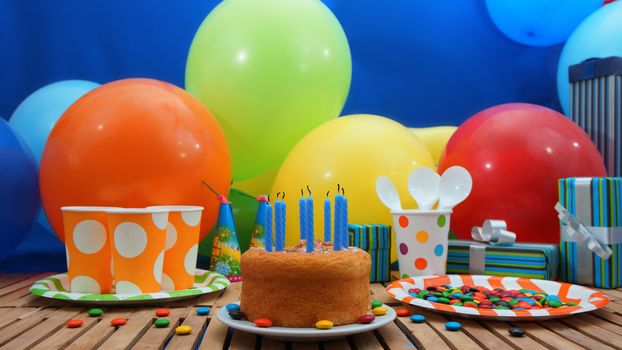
337, 188
327, 192
302, 192
308, 189
343, 191
268, 196
283, 196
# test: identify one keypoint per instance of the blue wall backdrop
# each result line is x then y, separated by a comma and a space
422, 63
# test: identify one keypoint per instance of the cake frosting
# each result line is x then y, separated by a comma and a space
294, 288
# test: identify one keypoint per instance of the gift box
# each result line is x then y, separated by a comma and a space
595, 99
591, 231
376, 240
528, 260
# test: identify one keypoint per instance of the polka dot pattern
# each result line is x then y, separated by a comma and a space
403, 248
85, 284
403, 221
126, 287
160, 220
167, 282
171, 236
441, 221
422, 236
190, 261
157, 267
89, 236
191, 218
130, 239
438, 250
421, 264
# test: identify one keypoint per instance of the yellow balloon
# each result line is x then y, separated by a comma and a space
351, 151
435, 139
260, 184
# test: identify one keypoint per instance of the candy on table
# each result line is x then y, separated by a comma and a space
162, 312
202, 311
452, 326
516, 331
263, 322
183, 330
403, 312
484, 298
417, 318
74, 323
324, 324
232, 307
379, 311
366, 319
161, 323
95, 312
237, 315
119, 321
375, 304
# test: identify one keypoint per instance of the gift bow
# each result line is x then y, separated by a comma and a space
493, 232
580, 233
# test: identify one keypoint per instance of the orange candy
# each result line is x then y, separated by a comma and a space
162, 312
403, 312
120, 321
74, 323
263, 322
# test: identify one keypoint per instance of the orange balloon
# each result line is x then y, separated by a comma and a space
135, 143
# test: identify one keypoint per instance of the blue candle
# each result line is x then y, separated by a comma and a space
337, 238
344, 217
279, 223
310, 229
327, 219
268, 228
303, 218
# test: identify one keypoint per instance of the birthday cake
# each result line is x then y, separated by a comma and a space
294, 288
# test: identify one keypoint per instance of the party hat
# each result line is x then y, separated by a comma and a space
226, 249
257, 236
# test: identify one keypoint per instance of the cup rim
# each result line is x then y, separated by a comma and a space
135, 211
87, 209
421, 212
177, 208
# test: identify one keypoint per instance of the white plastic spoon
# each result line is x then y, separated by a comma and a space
423, 184
455, 186
385, 189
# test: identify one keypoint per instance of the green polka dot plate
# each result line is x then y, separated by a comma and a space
57, 287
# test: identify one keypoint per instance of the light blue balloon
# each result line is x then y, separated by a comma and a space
599, 35
35, 117
539, 22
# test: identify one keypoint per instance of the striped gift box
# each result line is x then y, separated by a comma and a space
376, 240
596, 106
528, 260
597, 203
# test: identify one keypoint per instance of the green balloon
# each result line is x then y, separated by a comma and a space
244, 212
270, 71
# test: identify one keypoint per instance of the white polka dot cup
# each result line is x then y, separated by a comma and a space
182, 243
421, 239
87, 244
138, 241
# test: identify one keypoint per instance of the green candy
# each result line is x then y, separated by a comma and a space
375, 304
95, 312
446, 294
438, 294
466, 298
501, 307
523, 290
161, 322
422, 294
554, 303
443, 300
457, 304
571, 303
513, 301
493, 299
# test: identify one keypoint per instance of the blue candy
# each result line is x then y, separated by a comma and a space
452, 326
530, 301
202, 311
417, 318
233, 307
434, 299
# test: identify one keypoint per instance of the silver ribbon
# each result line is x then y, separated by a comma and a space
493, 232
596, 239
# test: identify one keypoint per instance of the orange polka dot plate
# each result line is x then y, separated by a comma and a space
586, 299
57, 287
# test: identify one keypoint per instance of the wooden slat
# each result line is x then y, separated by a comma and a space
15, 329
271, 344
573, 335
64, 336
591, 319
500, 330
25, 283
424, 335
7, 280
394, 338
615, 307
594, 331
10, 315
379, 293
609, 316
231, 294
189, 341
483, 336
366, 341
242, 341
97, 334
42, 330
546, 337
339, 344
154, 337
613, 294
215, 335
305, 346
126, 336
455, 339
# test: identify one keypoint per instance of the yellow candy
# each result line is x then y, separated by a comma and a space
183, 330
324, 324
379, 311
528, 295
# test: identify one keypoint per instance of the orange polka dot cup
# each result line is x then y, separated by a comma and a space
87, 244
421, 238
138, 239
181, 248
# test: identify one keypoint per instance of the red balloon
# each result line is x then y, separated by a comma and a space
516, 153
135, 143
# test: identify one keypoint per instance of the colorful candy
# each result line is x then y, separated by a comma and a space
183, 330
161, 323
484, 298
162, 312
452, 326
375, 304
237, 315
95, 312
417, 318
202, 311
366, 319
263, 322
403, 312
379, 311
119, 321
74, 323
324, 324
232, 307
516, 332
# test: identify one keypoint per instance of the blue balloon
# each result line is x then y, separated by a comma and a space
599, 35
539, 22
35, 117
19, 190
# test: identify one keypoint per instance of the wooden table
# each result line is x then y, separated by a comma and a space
27, 321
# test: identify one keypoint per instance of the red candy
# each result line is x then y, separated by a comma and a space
74, 323
120, 321
366, 319
263, 322
403, 312
453, 301
523, 305
162, 312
